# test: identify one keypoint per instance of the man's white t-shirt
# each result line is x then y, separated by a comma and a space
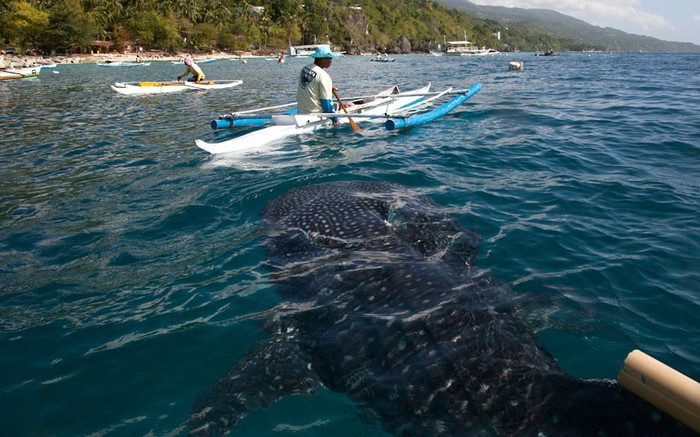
314, 85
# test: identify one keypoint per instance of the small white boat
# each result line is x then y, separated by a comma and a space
133, 88
123, 64
396, 109
516, 65
20, 73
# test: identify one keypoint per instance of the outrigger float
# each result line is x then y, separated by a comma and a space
171, 86
396, 109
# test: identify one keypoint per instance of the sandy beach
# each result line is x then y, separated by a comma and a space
20, 60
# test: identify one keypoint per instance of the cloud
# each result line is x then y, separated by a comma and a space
603, 13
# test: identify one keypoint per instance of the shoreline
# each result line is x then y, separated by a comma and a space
19, 60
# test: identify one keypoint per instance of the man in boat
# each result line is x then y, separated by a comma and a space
192, 68
315, 90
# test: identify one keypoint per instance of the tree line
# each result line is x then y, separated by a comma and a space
73, 26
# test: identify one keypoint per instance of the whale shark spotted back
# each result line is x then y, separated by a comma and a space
381, 300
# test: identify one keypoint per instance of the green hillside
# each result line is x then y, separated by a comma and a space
398, 26
560, 25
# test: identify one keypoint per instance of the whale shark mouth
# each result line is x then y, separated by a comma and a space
380, 298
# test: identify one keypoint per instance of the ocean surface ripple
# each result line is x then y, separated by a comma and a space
131, 271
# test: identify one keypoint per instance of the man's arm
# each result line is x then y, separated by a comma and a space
327, 106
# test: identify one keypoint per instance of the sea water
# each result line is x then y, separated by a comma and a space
131, 273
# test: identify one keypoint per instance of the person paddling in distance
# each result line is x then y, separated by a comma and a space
192, 68
315, 89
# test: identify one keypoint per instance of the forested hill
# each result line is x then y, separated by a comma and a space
266, 26
554, 23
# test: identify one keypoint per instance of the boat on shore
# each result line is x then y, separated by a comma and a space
20, 73
140, 88
395, 108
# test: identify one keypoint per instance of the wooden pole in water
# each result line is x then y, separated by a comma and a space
662, 386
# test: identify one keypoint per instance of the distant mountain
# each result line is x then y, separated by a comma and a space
563, 26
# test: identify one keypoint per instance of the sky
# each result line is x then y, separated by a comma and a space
669, 20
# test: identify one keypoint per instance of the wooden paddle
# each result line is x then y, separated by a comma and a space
354, 125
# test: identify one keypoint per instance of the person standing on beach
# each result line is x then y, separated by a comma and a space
315, 88
192, 68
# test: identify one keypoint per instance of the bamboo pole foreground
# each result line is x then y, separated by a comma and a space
662, 386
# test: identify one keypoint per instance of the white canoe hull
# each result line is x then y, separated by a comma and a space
19, 73
196, 61
290, 125
140, 88
123, 64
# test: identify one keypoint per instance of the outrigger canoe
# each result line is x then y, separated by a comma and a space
396, 109
196, 61
172, 86
123, 64
20, 73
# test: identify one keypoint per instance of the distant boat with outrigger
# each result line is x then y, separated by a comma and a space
20, 73
396, 109
196, 60
141, 88
380, 58
123, 64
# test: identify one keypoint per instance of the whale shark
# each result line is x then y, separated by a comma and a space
380, 299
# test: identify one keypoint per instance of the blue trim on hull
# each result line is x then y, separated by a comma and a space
414, 120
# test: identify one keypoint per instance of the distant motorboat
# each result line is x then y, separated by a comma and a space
466, 48
301, 51
304, 51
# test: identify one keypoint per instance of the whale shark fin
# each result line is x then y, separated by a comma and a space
273, 369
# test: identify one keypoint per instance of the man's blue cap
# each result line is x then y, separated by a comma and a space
323, 51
